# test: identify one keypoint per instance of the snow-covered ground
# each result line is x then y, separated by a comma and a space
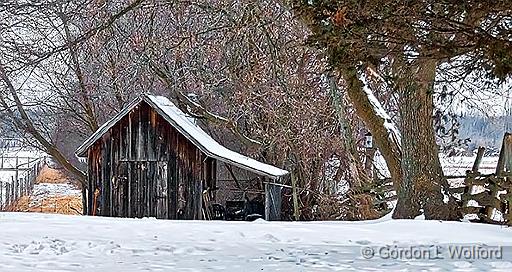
42, 242
458, 165
44, 191
452, 166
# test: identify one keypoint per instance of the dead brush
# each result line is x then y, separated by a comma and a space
350, 207
62, 205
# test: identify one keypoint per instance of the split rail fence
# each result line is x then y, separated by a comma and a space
487, 198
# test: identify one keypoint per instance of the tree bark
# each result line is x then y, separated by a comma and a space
389, 149
415, 167
423, 182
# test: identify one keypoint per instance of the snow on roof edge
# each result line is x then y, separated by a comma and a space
180, 121
205, 142
81, 150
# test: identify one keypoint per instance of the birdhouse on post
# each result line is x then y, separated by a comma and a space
370, 154
368, 141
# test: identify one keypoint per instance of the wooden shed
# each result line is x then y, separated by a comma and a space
153, 160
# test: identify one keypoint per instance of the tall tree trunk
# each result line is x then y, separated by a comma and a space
415, 167
423, 183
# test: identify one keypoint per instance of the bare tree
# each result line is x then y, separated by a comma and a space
35, 47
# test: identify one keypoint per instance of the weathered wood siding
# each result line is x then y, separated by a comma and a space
143, 167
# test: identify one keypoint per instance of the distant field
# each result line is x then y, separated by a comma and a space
458, 165
452, 166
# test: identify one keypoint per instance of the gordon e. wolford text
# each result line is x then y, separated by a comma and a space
465, 252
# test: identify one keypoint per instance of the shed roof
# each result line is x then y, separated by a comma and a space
181, 122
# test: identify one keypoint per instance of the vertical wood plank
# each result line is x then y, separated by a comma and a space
90, 179
152, 136
173, 174
140, 136
199, 182
112, 177
152, 189
107, 180
129, 165
162, 190
133, 124
139, 191
129, 194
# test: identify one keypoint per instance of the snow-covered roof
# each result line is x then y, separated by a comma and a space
182, 122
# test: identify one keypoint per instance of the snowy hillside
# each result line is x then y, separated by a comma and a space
41, 242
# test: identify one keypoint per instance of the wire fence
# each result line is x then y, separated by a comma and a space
21, 184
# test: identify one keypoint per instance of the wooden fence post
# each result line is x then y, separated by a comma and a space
508, 201
27, 186
296, 210
24, 186
504, 160
20, 188
7, 192
478, 160
16, 174
13, 189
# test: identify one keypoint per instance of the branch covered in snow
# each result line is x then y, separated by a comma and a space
393, 132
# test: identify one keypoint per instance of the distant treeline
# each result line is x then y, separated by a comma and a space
484, 131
